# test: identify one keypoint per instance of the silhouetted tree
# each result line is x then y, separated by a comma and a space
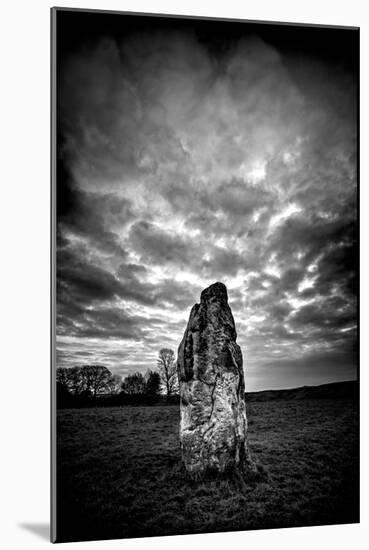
96, 379
78, 381
168, 371
63, 396
115, 385
63, 378
70, 378
152, 385
134, 384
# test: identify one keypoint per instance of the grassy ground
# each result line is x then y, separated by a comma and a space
119, 473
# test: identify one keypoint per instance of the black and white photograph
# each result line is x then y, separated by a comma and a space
205, 372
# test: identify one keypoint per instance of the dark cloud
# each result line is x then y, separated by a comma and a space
95, 217
102, 323
322, 316
158, 245
280, 311
83, 282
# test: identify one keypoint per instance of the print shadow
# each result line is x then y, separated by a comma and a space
42, 530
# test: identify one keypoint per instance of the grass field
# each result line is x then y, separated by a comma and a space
119, 472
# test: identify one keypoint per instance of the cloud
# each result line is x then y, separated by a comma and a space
183, 164
159, 245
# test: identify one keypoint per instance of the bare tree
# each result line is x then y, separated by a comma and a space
71, 379
63, 384
168, 371
63, 377
96, 379
134, 384
115, 384
76, 381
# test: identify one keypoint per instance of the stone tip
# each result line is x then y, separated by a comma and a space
217, 290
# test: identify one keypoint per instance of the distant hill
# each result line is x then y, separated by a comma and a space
335, 390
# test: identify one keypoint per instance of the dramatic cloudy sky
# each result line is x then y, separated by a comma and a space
190, 154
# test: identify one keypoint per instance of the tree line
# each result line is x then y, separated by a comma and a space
97, 385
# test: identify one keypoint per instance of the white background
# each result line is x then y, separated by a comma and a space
24, 304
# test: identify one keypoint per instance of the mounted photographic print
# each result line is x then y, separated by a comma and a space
204, 275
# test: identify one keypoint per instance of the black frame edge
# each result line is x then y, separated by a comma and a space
53, 161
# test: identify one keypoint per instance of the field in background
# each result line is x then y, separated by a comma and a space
119, 474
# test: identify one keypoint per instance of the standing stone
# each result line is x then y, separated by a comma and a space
213, 426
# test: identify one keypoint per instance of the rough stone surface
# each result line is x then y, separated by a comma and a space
213, 425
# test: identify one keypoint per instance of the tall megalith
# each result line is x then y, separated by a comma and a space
213, 425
